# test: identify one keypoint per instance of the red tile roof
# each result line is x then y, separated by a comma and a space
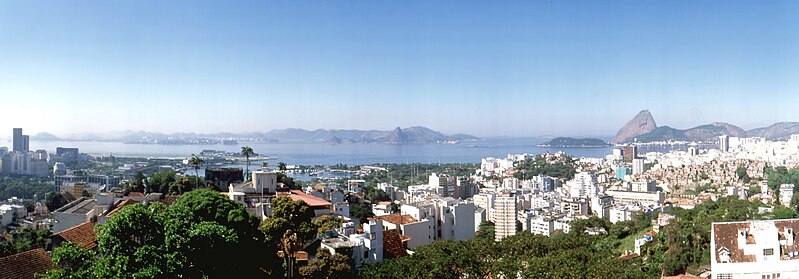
25, 264
312, 201
119, 207
397, 219
83, 235
392, 244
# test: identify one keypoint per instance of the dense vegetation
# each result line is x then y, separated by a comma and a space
525, 255
197, 236
562, 167
23, 240
202, 235
24, 187
680, 247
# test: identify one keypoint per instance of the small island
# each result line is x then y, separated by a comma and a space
574, 142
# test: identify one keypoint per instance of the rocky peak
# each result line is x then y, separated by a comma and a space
641, 124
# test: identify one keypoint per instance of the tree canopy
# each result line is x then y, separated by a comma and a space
203, 234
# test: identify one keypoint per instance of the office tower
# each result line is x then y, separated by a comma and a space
18, 140
630, 152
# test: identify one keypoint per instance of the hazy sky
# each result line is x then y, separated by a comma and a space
579, 68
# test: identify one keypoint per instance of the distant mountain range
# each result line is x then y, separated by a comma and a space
642, 128
415, 134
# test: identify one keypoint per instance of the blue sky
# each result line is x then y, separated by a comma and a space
527, 68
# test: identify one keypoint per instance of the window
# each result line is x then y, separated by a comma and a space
724, 276
768, 252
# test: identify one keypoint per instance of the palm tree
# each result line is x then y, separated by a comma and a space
281, 166
247, 152
196, 162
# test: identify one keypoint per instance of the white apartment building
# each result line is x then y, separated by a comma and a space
638, 166
755, 249
630, 197
486, 201
786, 193
504, 215
584, 184
643, 186
451, 219
366, 247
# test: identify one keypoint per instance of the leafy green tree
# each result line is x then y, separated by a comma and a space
247, 151
742, 174
24, 187
55, 200
71, 261
137, 185
200, 235
281, 166
781, 212
288, 214
561, 168
327, 265
485, 230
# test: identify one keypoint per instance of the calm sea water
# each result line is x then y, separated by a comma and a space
351, 154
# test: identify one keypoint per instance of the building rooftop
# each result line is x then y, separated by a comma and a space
80, 206
392, 244
397, 219
735, 242
25, 264
338, 242
82, 235
312, 201
119, 206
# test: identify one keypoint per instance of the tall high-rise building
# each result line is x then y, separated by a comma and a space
638, 166
18, 140
26, 143
629, 153
504, 215
724, 143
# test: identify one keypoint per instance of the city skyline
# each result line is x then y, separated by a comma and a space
526, 69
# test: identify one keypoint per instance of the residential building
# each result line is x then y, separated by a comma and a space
366, 247
755, 249
629, 152
643, 186
10, 213
25, 264
724, 143
76, 213
504, 213
221, 178
638, 166
583, 185
452, 219
630, 197
786, 193
486, 201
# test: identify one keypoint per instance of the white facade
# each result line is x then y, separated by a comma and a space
584, 184
755, 249
786, 193
504, 216
638, 166
486, 201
